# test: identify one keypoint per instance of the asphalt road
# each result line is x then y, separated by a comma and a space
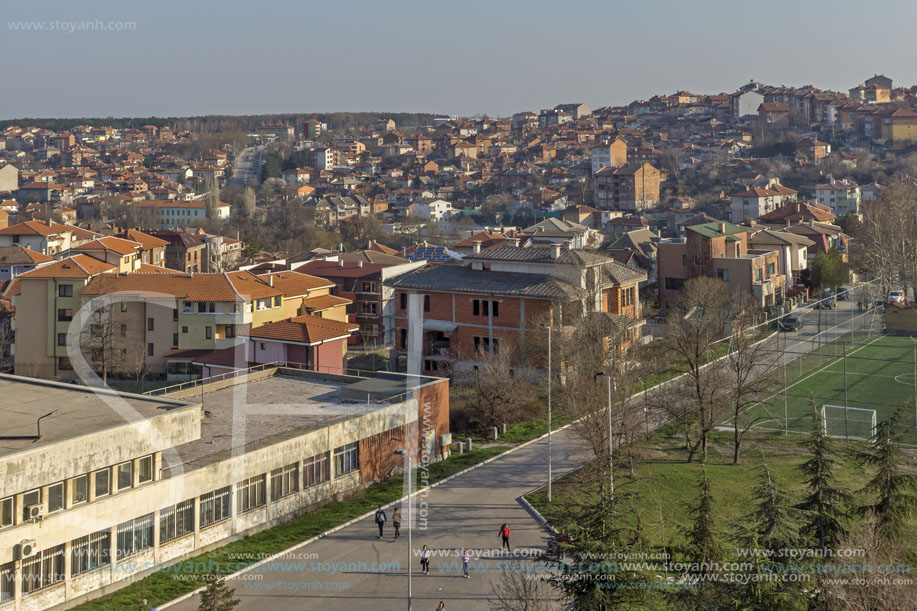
464, 512
247, 166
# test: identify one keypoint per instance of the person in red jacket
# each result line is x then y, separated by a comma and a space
504, 534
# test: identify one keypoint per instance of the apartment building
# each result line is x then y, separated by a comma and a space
174, 213
16, 260
46, 237
95, 501
719, 250
630, 188
448, 317
842, 196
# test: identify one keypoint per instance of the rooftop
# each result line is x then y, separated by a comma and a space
75, 411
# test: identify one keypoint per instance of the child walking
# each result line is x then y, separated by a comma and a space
425, 560
504, 534
396, 523
465, 559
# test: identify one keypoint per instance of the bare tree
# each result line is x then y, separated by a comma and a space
498, 391
524, 591
104, 338
694, 327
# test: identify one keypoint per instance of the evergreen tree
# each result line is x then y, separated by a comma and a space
217, 596
772, 524
702, 549
893, 489
824, 503
595, 539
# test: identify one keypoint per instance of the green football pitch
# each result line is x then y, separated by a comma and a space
878, 374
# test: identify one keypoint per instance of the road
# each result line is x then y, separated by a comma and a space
464, 512
247, 167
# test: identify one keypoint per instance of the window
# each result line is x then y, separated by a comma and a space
145, 469
184, 328
65, 315
215, 507
674, 284
7, 582
150, 324
476, 307
369, 287
404, 300
175, 340
285, 481
277, 301
33, 497
404, 339
723, 274
205, 306
346, 459
65, 290
103, 482
134, 536
230, 331
125, 475
61, 339
316, 470
495, 308
90, 552
150, 350
55, 497
79, 490
176, 521
426, 303
368, 307
208, 332
43, 569
6, 511
771, 269
250, 493
174, 314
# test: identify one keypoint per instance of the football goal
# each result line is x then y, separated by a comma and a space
849, 422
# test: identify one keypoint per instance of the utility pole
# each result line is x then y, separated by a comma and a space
550, 472
611, 473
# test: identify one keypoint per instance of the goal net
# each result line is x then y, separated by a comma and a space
849, 422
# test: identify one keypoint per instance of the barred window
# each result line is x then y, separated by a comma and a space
7, 583
250, 493
215, 506
90, 552
176, 521
285, 481
316, 470
134, 536
6, 511
43, 569
346, 459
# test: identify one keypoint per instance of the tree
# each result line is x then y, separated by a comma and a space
702, 548
217, 596
824, 503
520, 591
772, 525
497, 391
746, 364
104, 337
695, 324
249, 201
828, 270
893, 489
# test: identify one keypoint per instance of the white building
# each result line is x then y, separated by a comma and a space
432, 210
842, 196
175, 213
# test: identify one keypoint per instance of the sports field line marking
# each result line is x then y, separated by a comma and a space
786, 388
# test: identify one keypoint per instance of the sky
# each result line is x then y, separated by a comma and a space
496, 57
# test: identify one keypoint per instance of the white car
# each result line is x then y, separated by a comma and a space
895, 297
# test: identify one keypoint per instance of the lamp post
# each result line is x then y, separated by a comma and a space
611, 472
550, 473
409, 475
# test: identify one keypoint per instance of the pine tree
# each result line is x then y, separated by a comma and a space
894, 490
824, 504
773, 524
217, 596
702, 548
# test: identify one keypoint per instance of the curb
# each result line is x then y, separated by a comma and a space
368, 514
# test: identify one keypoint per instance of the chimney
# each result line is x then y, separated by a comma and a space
359, 264
270, 280
340, 264
722, 227
555, 251
568, 245
476, 247
50, 223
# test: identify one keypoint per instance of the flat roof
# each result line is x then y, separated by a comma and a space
75, 410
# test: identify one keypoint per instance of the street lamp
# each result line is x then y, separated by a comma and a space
550, 475
611, 472
409, 475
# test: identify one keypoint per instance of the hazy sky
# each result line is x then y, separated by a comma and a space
496, 57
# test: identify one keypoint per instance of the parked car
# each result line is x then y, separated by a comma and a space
789, 323
824, 304
896, 297
842, 294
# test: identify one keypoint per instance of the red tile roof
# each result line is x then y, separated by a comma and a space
77, 266
306, 329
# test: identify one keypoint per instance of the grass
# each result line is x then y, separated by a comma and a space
161, 587
665, 484
879, 376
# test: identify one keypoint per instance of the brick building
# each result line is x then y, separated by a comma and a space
631, 187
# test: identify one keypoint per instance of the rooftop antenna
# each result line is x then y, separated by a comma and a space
34, 437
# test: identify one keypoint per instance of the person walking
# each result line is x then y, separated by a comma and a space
380, 520
425, 560
441, 606
504, 534
465, 559
396, 523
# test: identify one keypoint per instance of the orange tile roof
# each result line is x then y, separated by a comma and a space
44, 228
116, 245
295, 283
77, 266
144, 239
306, 329
324, 302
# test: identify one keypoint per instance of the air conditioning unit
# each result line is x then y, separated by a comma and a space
35, 511
27, 548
